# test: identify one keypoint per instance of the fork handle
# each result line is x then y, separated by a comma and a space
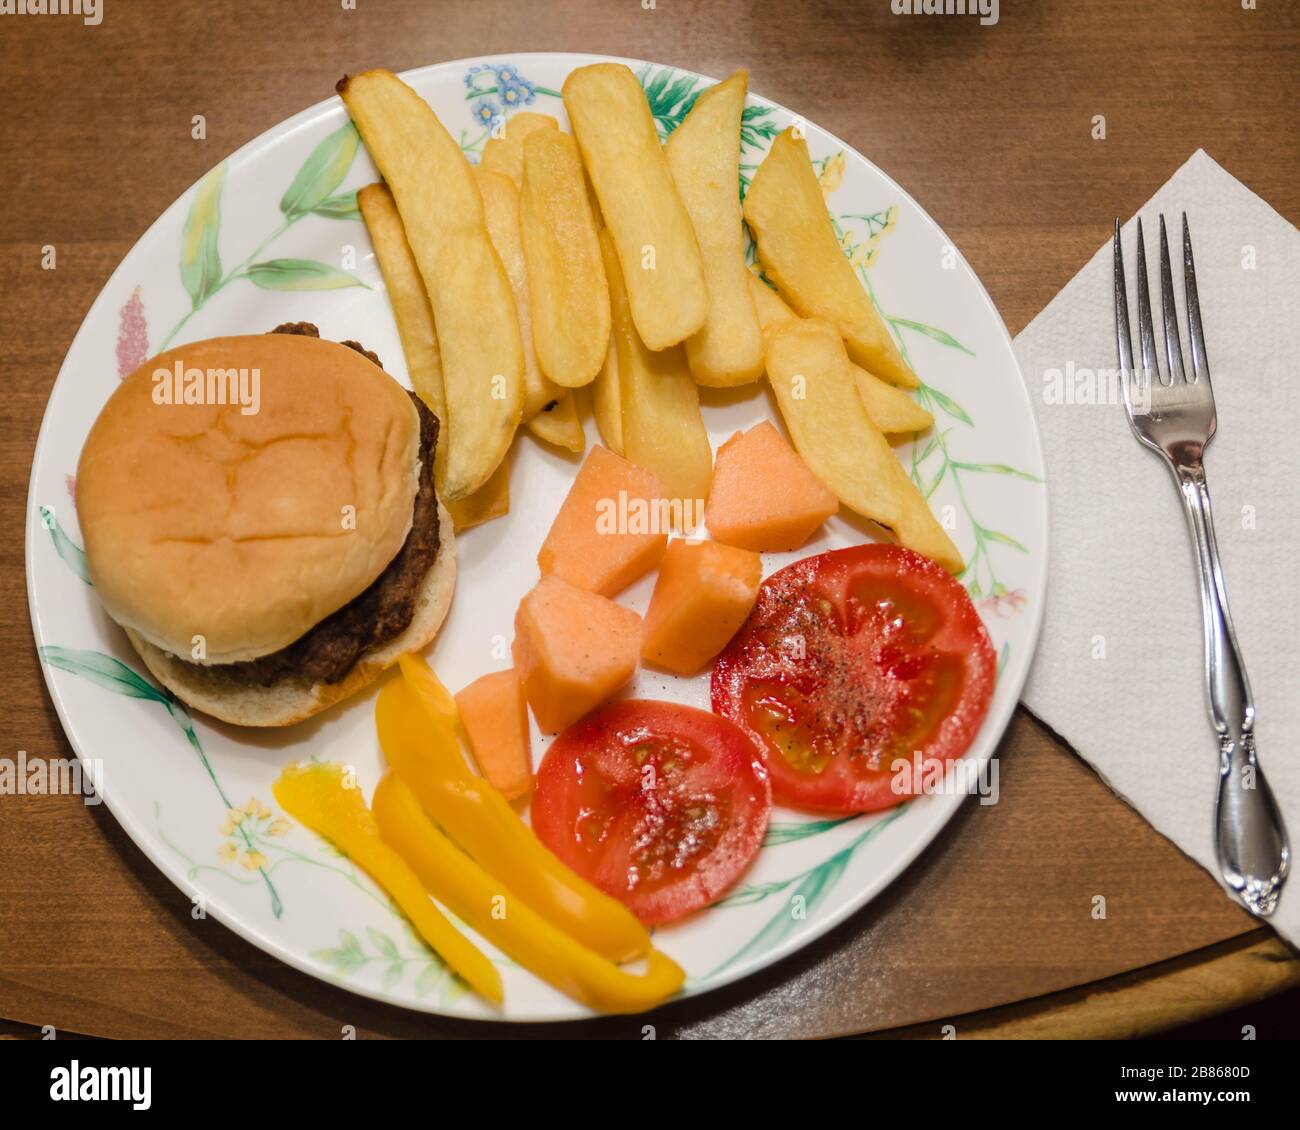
1249, 833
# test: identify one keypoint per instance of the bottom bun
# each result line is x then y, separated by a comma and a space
292, 699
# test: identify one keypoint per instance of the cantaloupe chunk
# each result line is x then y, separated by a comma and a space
764, 496
494, 715
572, 650
599, 540
703, 594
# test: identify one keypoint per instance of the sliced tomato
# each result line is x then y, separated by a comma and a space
858, 672
659, 805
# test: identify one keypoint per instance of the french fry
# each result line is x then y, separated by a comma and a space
555, 420
890, 408
785, 210
561, 424
606, 404
411, 308
473, 307
505, 154
501, 211
420, 345
660, 258
491, 500
566, 277
661, 426
703, 154
809, 371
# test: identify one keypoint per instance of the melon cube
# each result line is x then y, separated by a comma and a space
494, 716
704, 593
601, 540
764, 496
572, 649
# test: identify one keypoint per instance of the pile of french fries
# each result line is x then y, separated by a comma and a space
605, 260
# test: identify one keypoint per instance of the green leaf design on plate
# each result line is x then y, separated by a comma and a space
1001, 538
430, 977
813, 885
786, 833
299, 274
996, 469
311, 193
752, 892
200, 258
346, 956
670, 99
755, 129
112, 675
71, 554
943, 337
933, 484
341, 206
384, 944
102, 670
810, 892
949, 405
350, 955
322, 172
746, 179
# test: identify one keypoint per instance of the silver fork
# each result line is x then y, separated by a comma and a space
1174, 416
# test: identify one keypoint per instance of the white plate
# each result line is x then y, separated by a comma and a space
170, 780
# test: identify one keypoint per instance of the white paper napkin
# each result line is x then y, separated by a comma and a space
1118, 672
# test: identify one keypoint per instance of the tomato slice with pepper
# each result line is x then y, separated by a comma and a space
659, 805
853, 665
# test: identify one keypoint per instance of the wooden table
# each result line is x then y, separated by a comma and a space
991, 129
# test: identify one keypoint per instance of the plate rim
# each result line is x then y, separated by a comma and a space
924, 835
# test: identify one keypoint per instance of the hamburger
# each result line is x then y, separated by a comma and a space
269, 537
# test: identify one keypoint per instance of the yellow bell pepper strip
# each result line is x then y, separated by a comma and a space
402, 708
427, 757
317, 795
508, 922
435, 696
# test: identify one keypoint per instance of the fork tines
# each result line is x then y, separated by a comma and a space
1150, 370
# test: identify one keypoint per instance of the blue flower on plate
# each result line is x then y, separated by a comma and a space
507, 74
515, 94
486, 112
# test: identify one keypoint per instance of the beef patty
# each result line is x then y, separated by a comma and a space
331, 649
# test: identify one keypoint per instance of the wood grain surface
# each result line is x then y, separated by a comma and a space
988, 127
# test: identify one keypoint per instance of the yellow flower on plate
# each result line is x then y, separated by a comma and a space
278, 827
864, 256
832, 174
234, 817
256, 809
252, 860
227, 852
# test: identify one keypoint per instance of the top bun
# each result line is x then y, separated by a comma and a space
246, 528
